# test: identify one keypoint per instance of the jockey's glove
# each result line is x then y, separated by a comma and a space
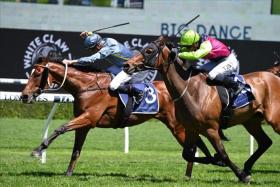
173, 54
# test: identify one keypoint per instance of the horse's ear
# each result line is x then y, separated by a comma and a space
40, 60
55, 56
162, 40
170, 45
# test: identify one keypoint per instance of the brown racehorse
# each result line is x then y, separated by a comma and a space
94, 106
200, 106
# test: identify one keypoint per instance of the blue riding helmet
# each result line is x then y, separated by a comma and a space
92, 40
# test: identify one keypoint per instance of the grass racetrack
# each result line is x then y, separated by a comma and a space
154, 158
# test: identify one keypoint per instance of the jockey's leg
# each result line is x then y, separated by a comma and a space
118, 83
220, 75
132, 91
120, 78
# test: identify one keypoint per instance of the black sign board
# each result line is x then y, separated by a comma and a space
19, 48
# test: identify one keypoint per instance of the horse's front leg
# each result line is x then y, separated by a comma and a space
214, 138
80, 136
79, 122
189, 150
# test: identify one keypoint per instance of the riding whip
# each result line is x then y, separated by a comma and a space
187, 24
110, 27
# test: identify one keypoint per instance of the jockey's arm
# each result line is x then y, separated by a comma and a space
204, 49
102, 54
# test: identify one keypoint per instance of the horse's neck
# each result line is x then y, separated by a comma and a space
177, 86
78, 81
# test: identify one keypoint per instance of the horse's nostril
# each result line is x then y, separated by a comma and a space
126, 67
24, 98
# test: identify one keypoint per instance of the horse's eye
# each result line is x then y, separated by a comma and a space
36, 72
149, 50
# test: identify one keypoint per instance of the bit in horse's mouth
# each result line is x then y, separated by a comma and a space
27, 99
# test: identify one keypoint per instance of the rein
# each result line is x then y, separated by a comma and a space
151, 59
45, 76
185, 90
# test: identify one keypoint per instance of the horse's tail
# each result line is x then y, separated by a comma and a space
275, 69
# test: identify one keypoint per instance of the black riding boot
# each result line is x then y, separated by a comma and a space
234, 86
132, 91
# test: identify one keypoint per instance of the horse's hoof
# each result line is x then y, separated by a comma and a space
246, 179
68, 174
36, 154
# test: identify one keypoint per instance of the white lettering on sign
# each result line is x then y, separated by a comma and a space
37, 46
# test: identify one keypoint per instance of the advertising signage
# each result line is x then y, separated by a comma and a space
21, 47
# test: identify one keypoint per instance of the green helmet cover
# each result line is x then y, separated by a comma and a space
189, 37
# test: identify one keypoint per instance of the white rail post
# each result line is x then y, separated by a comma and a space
126, 140
251, 145
46, 129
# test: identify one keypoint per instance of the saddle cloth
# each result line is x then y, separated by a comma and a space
244, 97
149, 103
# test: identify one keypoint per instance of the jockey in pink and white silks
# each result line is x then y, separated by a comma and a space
215, 56
114, 54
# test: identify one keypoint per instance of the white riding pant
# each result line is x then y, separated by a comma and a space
119, 79
227, 67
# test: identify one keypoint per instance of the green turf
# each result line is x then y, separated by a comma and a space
154, 158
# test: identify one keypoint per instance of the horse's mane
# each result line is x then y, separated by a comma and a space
275, 69
52, 56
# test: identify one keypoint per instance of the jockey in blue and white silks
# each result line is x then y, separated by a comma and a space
114, 54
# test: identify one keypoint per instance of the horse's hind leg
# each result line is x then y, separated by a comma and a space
76, 123
80, 136
37, 152
253, 126
273, 118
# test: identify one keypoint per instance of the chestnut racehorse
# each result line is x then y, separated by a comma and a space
199, 104
94, 106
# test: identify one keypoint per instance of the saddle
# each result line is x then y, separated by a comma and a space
229, 104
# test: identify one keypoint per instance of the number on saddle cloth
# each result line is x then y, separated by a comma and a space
149, 103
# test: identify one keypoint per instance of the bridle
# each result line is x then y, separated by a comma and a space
44, 80
150, 60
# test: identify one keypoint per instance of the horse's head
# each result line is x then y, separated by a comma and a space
36, 82
154, 55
